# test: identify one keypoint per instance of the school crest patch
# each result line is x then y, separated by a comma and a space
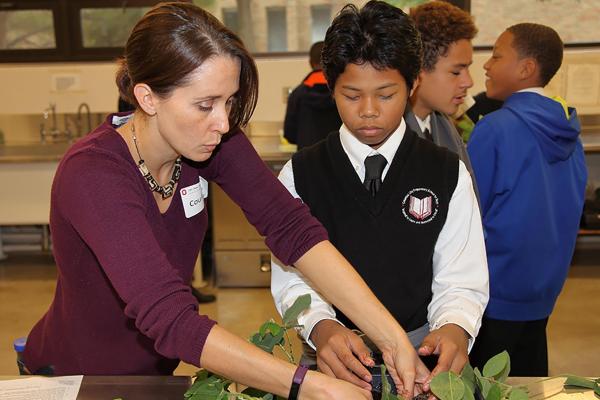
420, 206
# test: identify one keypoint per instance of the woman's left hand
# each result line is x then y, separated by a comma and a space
406, 368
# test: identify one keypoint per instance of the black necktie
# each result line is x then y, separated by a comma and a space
428, 135
374, 166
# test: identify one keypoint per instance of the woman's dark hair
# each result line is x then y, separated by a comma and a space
440, 24
379, 34
541, 43
170, 42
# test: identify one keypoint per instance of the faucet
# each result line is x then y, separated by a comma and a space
88, 115
53, 132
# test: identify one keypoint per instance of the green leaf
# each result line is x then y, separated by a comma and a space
202, 374
290, 317
468, 393
270, 326
208, 389
468, 377
269, 341
447, 386
259, 394
597, 389
386, 389
497, 367
518, 394
577, 381
256, 339
495, 392
484, 384
207, 386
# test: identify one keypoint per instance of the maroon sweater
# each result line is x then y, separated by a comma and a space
122, 303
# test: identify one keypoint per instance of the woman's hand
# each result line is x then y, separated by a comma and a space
318, 386
343, 286
406, 368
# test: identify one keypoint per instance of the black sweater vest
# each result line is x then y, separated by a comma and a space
389, 239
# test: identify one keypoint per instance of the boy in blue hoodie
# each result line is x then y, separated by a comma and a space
530, 170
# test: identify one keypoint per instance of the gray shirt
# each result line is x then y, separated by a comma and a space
444, 135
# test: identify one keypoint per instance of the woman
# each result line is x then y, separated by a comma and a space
128, 218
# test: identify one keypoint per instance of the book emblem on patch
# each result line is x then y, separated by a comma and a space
420, 206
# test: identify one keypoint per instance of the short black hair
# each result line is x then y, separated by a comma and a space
315, 54
379, 34
541, 43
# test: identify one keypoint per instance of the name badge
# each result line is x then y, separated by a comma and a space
193, 197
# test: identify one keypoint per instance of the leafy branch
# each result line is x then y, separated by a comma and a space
491, 384
471, 384
209, 386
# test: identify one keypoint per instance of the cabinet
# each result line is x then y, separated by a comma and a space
241, 258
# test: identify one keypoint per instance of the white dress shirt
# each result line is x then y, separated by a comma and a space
535, 89
424, 123
460, 275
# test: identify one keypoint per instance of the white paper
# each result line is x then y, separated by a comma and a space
41, 388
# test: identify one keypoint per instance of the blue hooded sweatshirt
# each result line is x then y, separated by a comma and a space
530, 170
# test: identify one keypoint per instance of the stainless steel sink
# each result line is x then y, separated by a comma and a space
33, 152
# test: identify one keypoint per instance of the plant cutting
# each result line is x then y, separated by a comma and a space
490, 384
271, 335
470, 384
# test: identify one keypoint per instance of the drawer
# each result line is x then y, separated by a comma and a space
242, 268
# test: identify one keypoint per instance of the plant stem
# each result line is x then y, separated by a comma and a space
289, 357
289, 342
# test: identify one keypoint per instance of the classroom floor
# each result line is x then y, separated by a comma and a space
27, 283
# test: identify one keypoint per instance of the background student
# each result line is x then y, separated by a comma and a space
399, 207
311, 113
446, 32
530, 170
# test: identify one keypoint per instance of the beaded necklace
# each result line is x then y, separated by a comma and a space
165, 191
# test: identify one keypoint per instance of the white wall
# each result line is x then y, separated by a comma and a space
28, 88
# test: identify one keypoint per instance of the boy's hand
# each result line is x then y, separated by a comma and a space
341, 353
450, 344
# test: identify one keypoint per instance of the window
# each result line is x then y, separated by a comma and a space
321, 19
108, 27
67, 30
230, 19
277, 29
27, 29
82, 30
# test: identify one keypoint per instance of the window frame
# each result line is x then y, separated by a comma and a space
68, 36
67, 30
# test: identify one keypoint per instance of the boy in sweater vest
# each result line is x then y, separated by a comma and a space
311, 113
401, 209
530, 169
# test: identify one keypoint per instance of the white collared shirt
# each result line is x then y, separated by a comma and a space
357, 151
460, 275
424, 123
537, 89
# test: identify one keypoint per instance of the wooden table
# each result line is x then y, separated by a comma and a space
130, 387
